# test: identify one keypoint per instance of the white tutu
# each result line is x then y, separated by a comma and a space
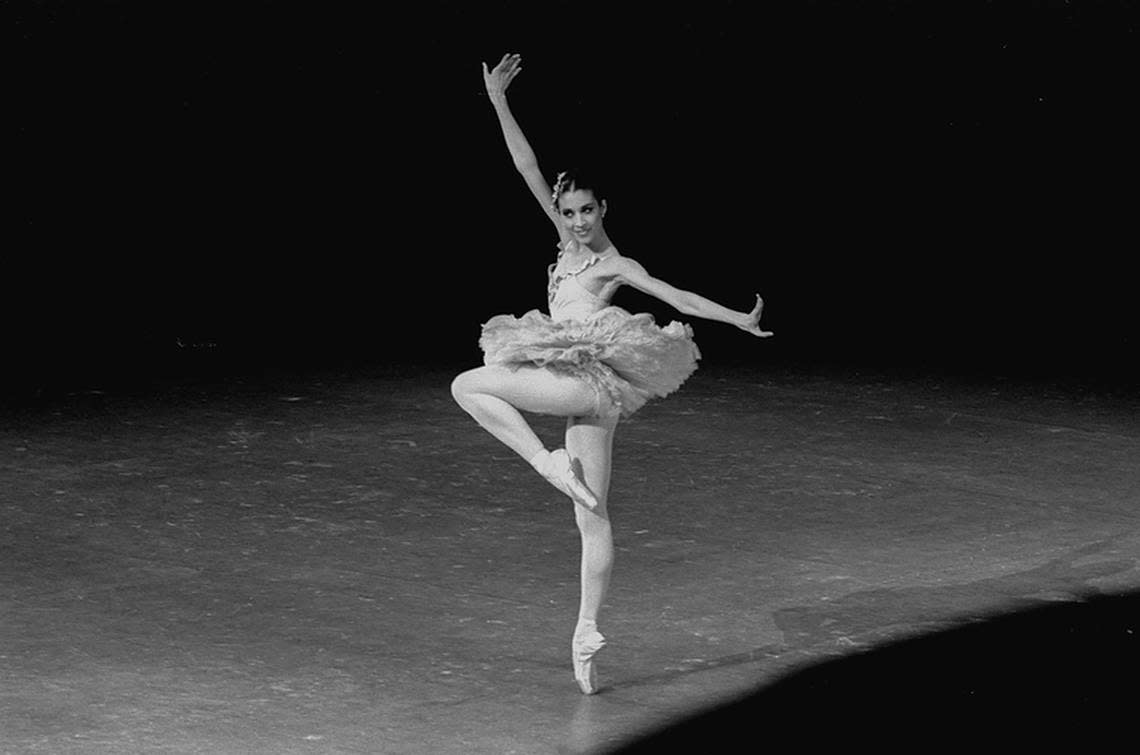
628, 359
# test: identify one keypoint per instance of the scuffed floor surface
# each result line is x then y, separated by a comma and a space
343, 562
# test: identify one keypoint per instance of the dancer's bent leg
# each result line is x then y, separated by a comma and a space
590, 440
494, 396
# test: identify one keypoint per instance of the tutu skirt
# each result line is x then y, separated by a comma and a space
628, 359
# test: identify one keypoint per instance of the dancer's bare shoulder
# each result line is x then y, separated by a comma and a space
628, 271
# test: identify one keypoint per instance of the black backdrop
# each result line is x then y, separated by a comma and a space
905, 183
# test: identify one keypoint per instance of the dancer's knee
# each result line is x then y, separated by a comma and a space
471, 388
463, 387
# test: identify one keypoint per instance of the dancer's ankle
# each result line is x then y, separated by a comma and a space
541, 461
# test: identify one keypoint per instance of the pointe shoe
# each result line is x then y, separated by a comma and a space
560, 473
582, 652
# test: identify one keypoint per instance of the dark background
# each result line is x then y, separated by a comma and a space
945, 186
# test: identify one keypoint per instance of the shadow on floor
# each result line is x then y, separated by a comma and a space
1049, 674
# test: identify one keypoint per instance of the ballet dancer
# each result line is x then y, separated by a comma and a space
588, 361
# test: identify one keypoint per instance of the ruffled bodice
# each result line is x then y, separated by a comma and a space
567, 297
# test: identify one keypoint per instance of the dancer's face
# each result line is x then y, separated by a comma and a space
581, 215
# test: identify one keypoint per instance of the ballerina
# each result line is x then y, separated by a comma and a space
588, 361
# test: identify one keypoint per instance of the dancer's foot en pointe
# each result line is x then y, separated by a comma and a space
557, 468
586, 644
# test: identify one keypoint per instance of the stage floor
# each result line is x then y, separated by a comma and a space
341, 561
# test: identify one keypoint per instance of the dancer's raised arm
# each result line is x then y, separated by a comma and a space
497, 80
631, 273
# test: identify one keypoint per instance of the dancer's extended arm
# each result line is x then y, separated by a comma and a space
631, 273
497, 80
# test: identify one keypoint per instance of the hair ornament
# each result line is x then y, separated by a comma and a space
557, 188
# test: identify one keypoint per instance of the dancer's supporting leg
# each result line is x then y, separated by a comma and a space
494, 396
590, 441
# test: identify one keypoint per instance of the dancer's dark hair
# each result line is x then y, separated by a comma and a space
576, 180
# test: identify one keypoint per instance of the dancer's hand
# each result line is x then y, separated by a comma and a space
751, 321
500, 77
